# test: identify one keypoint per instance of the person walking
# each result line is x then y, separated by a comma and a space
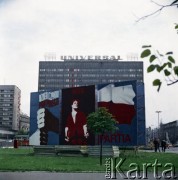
158, 145
155, 142
163, 145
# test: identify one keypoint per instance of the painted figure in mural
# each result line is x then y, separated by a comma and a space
76, 132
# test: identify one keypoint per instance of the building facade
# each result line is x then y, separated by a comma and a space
73, 73
10, 98
24, 123
169, 131
151, 134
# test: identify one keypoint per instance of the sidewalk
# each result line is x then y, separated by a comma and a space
59, 176
170, 150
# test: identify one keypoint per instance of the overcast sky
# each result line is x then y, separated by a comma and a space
31, 28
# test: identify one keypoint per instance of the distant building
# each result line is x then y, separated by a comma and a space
54, 75
24, 123
151, 134
170, 131
10, 98
148, 135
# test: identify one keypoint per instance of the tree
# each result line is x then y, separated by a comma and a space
22, 132
101, 122
161, 63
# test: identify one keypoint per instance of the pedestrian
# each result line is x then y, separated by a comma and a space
155, 142
163, 145
158, 145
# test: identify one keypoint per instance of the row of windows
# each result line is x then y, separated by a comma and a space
73, 63
6, 118
6, 95
5, 105
75, 84
6, 100
78, 81
6, 91
51, 76
5, 113
93, 70
8, 124
87, 77
6, 109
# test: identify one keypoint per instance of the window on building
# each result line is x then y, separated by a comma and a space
5, 118
5, 123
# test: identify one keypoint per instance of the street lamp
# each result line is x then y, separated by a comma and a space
158, 120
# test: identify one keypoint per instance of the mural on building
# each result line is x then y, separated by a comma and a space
45, 115
120, 100
60, 117
77, 103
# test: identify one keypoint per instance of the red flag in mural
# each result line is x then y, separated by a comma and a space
119, 102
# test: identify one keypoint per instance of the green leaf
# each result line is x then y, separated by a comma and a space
176, 70
151, 68
176, 27
164, 65
169, 53
171, 59
152, 58
158, 83
166, 72
145, 53
169, 65
146, 46
159, 68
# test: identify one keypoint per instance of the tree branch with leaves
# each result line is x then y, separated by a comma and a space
162, 64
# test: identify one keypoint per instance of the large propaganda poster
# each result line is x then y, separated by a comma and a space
45, 118
120, 100
60, 117
77, 104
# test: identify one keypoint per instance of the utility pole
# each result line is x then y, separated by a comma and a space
158, 122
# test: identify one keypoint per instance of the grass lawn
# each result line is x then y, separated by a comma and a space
25, 160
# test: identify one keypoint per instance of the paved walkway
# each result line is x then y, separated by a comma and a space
170, 150
59, 176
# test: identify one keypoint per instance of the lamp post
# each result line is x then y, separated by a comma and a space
158, 121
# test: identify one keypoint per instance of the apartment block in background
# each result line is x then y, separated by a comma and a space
10, 101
